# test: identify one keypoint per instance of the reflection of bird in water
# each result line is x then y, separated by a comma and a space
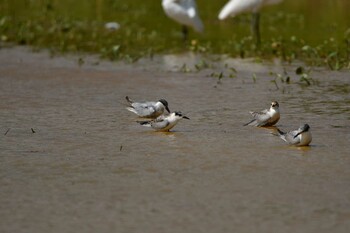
147, 109
184, 12
299, 137
235, 7
164, 123
267, 117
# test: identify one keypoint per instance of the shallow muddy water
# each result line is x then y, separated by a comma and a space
89, 167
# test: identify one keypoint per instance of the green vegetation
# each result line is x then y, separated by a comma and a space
316, 32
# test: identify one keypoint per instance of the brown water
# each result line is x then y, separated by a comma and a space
90, 168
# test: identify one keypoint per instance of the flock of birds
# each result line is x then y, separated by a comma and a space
162, 121
186, 13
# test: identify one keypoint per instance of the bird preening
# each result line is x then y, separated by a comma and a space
300, 137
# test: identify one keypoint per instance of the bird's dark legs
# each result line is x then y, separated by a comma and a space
256, 27
185, 32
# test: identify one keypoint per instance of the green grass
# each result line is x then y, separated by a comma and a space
313, 31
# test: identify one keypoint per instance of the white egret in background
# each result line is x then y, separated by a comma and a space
184, 12
235, 7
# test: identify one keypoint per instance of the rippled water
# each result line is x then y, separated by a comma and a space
89, 167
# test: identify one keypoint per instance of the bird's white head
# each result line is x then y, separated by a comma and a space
179, 115
275, 105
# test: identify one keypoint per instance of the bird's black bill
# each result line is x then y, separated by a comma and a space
167, 108
305, 128
186, 117
300, 133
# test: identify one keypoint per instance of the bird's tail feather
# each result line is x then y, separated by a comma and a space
277, 132
280, 133
131, 109
145, 123
128, 99
249, 122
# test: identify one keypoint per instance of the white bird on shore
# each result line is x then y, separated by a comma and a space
147, 109
299, 137
267, 117
184, 12
235, 7
164, 123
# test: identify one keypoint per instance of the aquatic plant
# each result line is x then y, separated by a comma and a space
144, 30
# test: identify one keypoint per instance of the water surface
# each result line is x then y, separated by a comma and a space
89, 167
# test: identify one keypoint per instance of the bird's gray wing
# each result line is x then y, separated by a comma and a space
161, 118
144, 109
258, 113
261, 117
159, 123
289, 137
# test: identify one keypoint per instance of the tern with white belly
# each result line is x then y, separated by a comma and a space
267, 117
164, 123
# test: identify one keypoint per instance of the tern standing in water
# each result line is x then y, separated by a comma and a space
184, 12
147, 109
267, 117
164, 123
299, 137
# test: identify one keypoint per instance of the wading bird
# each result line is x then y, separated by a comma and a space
267, 117
299, 137
147, 109
184, 12
235, 7
164, 123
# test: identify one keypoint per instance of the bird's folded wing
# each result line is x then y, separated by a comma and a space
261, 112
159, 124
261, 116
143, 109
289, 137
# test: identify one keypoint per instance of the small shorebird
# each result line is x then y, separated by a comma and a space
164, 123
184, 12
267, 117
235, 7
148, 109
299, 137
